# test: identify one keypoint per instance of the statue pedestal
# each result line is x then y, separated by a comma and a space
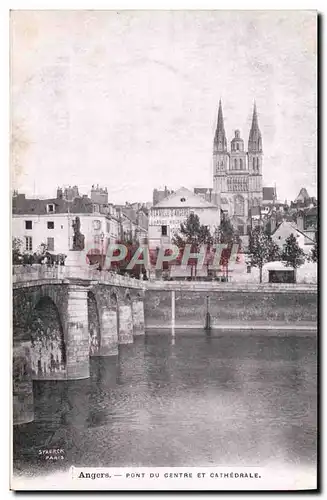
77, 262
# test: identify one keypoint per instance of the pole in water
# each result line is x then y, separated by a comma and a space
208, 318
173, 317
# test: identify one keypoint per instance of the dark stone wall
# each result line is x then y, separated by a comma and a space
94, 324
37, 318
25, 299
48, 350
23, 403
230, 307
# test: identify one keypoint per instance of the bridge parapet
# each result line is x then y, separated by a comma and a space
39, 272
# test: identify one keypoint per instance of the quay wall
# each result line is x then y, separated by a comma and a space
247, 307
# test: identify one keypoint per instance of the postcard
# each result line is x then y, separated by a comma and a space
164, 250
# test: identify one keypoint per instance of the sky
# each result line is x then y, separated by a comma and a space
129, 99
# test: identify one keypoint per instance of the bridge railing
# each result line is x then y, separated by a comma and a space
39, 272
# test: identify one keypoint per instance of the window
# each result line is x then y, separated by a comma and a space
28, 243
241, 164
95, 208
240, 230
97, 239
253, 163
108, 227
163, 230
50, 224
28, 224
235, 164
237, 146
51, 208
50, 244
182, 200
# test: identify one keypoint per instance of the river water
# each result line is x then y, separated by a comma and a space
230, 398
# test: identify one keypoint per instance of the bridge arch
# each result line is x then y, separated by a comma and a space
48, 346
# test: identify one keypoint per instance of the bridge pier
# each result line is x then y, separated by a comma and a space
125, 334
138, 317
23, 401
109, 332
77, 334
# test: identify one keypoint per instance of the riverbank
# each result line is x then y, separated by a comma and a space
232, 307
274, 328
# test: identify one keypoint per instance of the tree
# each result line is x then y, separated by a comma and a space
195, 234
17, 255
292, 254
262, 249
225, 234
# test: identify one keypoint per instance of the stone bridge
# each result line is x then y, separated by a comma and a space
61, 317
64, 315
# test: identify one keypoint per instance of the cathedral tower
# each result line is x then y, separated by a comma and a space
255, 155
220, 155
237, 175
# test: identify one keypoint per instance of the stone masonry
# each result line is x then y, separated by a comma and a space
92, 318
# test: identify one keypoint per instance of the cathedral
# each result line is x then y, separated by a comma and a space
237, 173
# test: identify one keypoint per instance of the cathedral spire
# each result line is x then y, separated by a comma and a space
220, 141
255, 141
255, 117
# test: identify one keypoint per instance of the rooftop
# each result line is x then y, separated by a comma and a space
22, 205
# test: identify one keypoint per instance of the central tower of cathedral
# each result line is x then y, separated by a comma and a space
237, 174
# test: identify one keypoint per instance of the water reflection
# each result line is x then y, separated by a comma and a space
200, 400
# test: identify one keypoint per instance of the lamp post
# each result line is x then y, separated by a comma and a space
101, 239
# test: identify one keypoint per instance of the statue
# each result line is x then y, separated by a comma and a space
78, 238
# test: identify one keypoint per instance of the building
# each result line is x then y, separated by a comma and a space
303, 200
49, 222
269, 196
99, 195
207, 194
166, 217
133, 222
285, 229
159, 195
307, 221
237, 173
